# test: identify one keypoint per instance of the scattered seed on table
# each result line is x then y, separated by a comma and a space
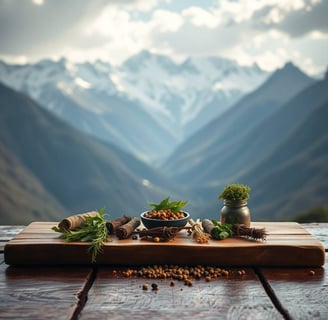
154, 286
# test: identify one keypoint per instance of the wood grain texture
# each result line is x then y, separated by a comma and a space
303, 292
232, 297
287, 244
48, 292
41, 293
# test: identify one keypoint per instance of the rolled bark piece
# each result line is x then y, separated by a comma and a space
114, 224
208, 226
75, 221
126, 230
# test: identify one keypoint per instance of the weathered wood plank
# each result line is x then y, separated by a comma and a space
287, 244
302, 292
114, 296
7, 233
318, 230
42, 293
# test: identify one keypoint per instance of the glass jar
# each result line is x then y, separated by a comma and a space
235, 212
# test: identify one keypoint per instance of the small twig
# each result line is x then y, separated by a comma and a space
161, 233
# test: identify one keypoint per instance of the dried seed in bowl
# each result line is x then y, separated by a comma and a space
164, 214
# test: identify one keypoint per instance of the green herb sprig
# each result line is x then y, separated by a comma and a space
221, 231
174, 206
93, 230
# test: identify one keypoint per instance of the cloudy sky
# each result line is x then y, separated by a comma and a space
268, 32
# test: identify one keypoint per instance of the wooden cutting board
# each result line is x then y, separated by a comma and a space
288, 244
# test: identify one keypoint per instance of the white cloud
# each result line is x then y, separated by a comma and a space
317, 35
274, 16
110, 22
15, 59
137, 5
200, 17
238, 11
269, 32
165, 21
122, 36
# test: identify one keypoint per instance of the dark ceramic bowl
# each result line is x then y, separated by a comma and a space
154, 223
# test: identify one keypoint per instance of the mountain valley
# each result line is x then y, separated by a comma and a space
79, 137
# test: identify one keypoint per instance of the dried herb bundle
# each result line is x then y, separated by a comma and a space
92, 229
251, 233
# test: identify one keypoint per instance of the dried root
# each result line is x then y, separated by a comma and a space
250, 233
197, 233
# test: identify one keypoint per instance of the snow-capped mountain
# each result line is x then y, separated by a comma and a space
147, 105
198, 88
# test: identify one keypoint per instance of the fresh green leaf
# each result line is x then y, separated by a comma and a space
224, 235
93, 230
174, 206
56, 229
221, 231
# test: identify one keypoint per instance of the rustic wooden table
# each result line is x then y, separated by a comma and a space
85, 292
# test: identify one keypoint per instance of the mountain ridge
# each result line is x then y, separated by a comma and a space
80, 172
21, 192
292, 174
171, 100
203, 151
